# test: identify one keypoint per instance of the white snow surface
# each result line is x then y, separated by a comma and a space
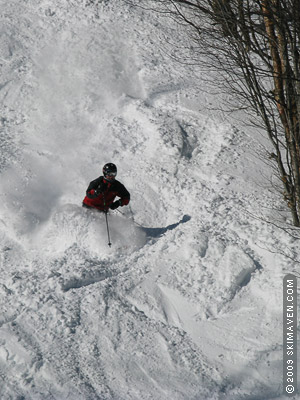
187, 302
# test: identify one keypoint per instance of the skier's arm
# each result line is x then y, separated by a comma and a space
95, 187
124, 195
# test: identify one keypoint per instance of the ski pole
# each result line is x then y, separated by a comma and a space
109, 243
132, 219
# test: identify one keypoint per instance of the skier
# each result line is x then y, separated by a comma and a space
102, 192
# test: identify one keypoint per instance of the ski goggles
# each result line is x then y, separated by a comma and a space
110, 174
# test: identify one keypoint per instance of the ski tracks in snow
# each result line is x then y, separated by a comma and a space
172, 307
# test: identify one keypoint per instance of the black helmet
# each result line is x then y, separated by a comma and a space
109, 171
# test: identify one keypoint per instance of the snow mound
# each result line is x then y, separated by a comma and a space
187, 305
71, 225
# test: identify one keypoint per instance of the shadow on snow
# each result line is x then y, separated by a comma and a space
157, 232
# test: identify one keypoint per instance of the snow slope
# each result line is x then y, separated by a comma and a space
186, 304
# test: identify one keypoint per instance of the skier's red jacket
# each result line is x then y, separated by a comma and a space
101, 194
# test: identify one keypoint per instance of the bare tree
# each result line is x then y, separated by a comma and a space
254, 45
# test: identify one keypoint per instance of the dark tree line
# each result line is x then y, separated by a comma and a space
255, 46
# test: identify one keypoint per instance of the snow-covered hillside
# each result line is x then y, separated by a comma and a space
187, 303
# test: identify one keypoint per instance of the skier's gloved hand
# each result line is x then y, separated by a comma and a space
91, 194
115, 204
